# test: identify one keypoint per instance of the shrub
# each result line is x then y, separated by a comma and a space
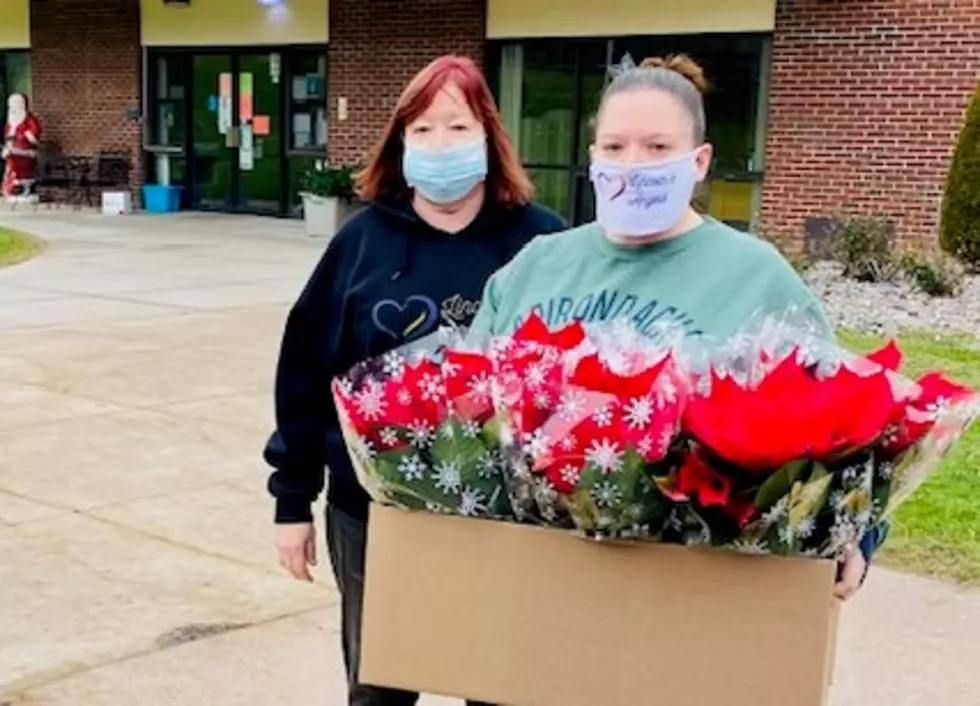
865, 248
323, 180
959, 230
935, 273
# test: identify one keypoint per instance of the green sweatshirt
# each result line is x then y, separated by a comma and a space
709, 281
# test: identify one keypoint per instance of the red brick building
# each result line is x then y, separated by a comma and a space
816, 104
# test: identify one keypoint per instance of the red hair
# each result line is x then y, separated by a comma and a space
506, 183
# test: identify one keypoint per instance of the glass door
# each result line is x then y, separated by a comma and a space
260, 114
214, 149
237, 147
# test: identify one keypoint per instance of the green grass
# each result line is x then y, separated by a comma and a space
17, 247
937, 530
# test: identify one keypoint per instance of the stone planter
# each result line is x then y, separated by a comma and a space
324, 215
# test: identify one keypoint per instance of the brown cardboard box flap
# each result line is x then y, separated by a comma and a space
527, 616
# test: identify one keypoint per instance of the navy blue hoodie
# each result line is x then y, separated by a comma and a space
387, 278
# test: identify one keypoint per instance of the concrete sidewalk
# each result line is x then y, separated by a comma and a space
136, 360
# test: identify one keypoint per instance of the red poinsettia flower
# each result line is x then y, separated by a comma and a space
934, 394
791, 414
696, 480
535, 330
469, 384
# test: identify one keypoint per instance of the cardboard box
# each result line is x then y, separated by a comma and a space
527, 616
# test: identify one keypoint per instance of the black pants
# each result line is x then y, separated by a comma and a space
346, 540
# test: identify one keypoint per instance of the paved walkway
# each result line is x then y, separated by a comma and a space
136, 359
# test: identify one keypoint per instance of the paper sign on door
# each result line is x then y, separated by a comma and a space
245, 100
246, 150
224, 103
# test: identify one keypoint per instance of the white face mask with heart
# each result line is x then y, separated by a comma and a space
639, 200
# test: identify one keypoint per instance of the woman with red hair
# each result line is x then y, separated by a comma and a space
448, 204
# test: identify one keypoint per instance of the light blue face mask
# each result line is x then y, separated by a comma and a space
445, 174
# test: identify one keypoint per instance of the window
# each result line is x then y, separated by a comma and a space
15, 73
549, 91
308, 100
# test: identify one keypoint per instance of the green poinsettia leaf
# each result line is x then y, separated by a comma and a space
779, 484
809, 498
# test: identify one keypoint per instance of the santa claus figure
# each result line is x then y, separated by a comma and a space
21, 140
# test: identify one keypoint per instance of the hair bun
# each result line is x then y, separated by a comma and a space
681, 64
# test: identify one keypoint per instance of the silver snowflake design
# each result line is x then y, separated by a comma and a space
471, 429
411, 467
389, 436
838, 499
447, 431
787, 534
536, 375
537, 444
776, 512
489, 464
450, 369
568, 443
404, 397
806, 527
605, 455
570, 474
433, 387
448, 477
886, 470
346, 386
572, 405
472, 502
545, 493
639, 412
602, 417
368, 449
370, 402
645, 447
542, 400
891, 435
421, 434
606, 494
393, 365
481, 388
666, 392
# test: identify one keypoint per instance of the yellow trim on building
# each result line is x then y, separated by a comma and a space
15, 24
233, 23
521, 19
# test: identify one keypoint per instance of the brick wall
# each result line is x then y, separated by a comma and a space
85, 70
376, 46
867, 97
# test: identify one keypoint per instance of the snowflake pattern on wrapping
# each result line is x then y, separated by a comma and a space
605, 455
411, 468
603, 416
572, 405
389, 436
448, 477
370, 402
639, 412
393, 365
421, 434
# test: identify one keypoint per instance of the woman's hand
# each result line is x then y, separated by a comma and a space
296, 545
851, 575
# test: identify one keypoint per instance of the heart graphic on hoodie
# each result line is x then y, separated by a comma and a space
414, 317
615, 183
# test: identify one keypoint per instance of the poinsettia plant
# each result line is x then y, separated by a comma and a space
774, 446
418, 429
